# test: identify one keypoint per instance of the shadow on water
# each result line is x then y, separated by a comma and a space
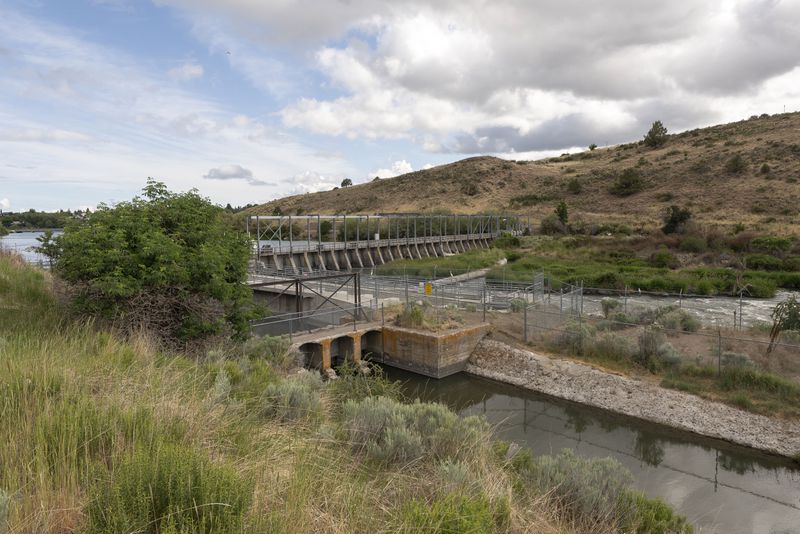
719, 486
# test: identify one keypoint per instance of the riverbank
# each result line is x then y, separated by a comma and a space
636, 398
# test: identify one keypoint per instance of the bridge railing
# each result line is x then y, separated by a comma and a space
297, 323
299, 246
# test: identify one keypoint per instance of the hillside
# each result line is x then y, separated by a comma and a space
696, 169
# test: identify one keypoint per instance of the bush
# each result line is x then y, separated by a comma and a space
574, 186
453, 514
589, 490
765, 169
575, 338
273, 349
387, 431
167, 263
170, 489
735, 359
517, 305
675, 219
656, 136
355, 385
664, 258
507, 241
609, 305
763, 262
412, 316
653, 516
750, 379
694, 244
736, 165
654, 352
551, 225
611, 346
680, 320
771, 244
627, 183
294, 399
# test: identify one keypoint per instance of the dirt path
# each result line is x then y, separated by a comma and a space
637, 398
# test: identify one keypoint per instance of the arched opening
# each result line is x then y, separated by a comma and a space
341, 350
372, 345
312, 355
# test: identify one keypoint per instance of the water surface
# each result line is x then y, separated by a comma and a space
719, 487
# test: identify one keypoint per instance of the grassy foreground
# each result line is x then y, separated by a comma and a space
105, 435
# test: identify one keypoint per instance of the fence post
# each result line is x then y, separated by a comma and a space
484, 303
719, 351
525, 323
383, 316
680, 299
625, 299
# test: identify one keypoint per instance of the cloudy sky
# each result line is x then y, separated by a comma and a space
248, 100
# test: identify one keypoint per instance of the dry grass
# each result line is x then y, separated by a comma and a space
690, 170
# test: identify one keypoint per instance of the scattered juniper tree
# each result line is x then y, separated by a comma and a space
656, 136
562, 212
347, 182
675, 219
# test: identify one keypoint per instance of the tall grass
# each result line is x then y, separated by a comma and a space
101, 434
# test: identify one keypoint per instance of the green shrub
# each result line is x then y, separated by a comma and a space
551, 225
507, 241
589, 490
575, 338
355, 385
574, 186
169, 489
663, 258
654, 352
387, 431
609, 305
273, 349
167, 263
453, 514
750, 379
694, 244
627, 183
653, 516
412, 316
294, 399
517, 305
680, 320
765, 169
610, 346
736, 165
771, 244
763, 262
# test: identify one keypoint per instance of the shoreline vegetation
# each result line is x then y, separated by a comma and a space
761, 266
112, 434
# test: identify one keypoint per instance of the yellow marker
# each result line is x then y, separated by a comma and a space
428, 288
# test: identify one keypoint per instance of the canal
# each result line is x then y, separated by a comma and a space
719, 487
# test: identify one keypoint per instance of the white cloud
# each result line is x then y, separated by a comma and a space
510, 76
5, 204
234, 172
57, 85
397, 168
186, 72
311, 182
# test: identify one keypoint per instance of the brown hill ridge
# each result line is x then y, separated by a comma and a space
745, 172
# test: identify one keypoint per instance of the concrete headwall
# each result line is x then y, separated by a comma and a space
430, 353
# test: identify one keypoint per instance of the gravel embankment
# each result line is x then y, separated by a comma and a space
584, 384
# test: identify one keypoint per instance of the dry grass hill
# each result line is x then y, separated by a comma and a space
745, 172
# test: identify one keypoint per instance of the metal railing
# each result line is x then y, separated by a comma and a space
299, 246
297, 323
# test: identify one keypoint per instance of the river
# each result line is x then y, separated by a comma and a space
719, 487
24, 243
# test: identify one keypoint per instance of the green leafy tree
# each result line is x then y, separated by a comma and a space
347, 182
166, 262
562, 212
48, 246
592, 146
656, 136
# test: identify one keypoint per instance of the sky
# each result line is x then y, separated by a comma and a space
251, 100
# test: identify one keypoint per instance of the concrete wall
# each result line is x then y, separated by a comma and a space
432, 354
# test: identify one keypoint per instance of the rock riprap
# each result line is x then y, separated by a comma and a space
636, 398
